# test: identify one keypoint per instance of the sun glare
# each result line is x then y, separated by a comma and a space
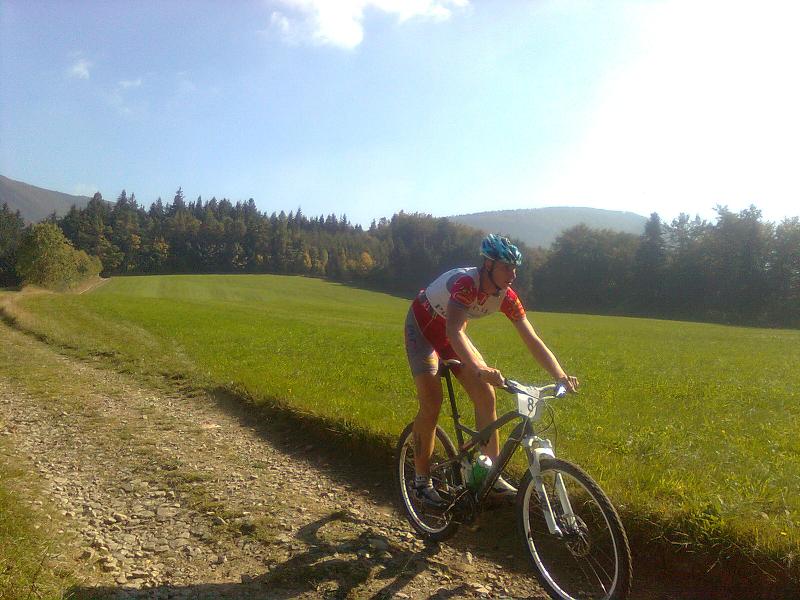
705, 113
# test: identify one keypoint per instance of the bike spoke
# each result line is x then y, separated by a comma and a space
609, 558
608, 578
590, 574
587, 576
584, 562
429, 520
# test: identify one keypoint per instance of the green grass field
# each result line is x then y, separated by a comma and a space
691, 428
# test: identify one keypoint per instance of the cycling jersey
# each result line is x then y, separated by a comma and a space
462, 286
426, 325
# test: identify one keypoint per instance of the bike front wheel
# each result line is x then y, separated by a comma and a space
429, 523
591, 559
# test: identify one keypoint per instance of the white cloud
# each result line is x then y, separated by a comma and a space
706, 113
127, 84
341, 23
281, 23
80, 70
123, 97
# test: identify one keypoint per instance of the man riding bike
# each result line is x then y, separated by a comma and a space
435, 328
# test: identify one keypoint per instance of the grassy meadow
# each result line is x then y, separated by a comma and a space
691, 428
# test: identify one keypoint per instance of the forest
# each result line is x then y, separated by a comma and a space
738, 269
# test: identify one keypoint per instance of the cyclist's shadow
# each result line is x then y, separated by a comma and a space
312, 569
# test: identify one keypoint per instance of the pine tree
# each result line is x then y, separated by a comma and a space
11, 230
649, 267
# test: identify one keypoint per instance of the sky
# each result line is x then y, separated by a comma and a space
369, 107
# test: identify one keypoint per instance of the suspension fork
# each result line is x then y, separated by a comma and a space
537, 448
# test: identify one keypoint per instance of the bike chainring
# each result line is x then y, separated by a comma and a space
465, 510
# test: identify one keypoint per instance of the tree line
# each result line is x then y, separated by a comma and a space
736, 269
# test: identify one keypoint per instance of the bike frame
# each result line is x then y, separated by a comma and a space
535, 447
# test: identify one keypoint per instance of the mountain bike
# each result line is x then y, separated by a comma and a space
571, 532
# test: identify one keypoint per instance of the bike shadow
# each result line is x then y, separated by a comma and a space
343, 568
351, 573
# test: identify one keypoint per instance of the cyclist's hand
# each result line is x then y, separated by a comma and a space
491, 376
570, 382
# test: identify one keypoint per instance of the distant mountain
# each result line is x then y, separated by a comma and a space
35, 203
541, 226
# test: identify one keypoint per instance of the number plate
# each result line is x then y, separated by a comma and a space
526, 403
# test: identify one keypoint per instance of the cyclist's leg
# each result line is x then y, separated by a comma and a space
424, 365
429, 392
483, 397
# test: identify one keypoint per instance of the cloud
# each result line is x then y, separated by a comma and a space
116, 99
127, 84
80, 70
120, 96
341, 24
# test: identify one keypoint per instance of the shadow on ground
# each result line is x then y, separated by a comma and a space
325, 569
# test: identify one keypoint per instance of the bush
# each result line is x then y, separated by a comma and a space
47, 259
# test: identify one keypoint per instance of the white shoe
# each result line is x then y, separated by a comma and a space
428, 495
502, 488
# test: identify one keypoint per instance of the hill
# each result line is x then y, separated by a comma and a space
541, 226
35, 203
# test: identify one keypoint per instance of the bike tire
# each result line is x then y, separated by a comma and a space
593, 559
428, 523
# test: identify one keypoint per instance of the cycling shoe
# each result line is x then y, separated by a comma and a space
503, 489
428, 495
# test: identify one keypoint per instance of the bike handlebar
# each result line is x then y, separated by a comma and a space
558, 390
514, 387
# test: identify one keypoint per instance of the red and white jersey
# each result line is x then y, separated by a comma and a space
462, 286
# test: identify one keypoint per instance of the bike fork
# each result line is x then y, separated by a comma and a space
536, 448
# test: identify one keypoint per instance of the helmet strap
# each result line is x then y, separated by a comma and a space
490, 275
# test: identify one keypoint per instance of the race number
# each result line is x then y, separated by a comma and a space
526, 403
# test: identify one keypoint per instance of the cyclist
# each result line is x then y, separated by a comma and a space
435, 328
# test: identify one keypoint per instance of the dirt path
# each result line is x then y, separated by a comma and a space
91, 284
166, 495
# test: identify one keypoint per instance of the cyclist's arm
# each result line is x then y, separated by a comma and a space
542, 353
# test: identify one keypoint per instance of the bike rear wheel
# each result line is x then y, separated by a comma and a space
593, 559
429, 523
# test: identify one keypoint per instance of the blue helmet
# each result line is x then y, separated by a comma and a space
495, 247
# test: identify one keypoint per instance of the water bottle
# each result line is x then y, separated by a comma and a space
478, 472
